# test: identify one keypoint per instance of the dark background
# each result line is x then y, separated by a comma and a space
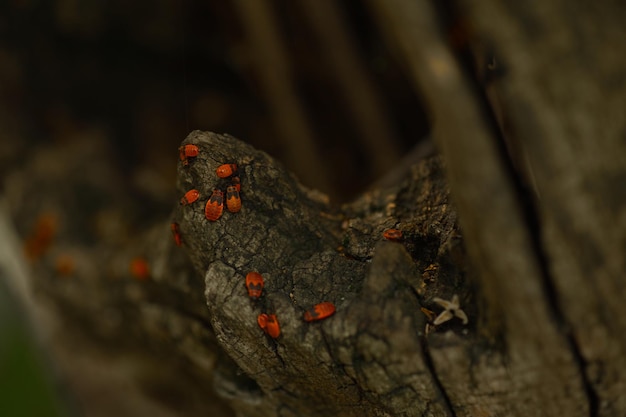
317, 85
134, 78
143, 74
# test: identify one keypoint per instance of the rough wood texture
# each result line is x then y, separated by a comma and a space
539, 187
551, 264
565, 101
370, 358
541, 378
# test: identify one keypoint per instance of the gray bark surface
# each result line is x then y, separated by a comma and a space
543, 212
370, 358
537, 173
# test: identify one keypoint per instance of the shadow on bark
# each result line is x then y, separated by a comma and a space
535, 162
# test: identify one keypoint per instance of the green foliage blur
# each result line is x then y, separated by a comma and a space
26, 386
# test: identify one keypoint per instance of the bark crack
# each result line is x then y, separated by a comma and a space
529, 210
479, 78
428, 361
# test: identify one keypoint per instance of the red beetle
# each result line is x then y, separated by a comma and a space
226, 170
393, 234
189, 197
188, 151
269, 324
139, 268
236, 183
254, 284
42, 236
320, 311
214, 206
65, 265
176, 233
233, 201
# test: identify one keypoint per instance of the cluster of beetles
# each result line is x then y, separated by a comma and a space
215, 204
213, 211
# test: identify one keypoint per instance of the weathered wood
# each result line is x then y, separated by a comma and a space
565, 101
552, 264
370, 358
367, 359
542, 287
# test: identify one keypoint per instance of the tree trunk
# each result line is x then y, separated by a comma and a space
536, 164
550, 258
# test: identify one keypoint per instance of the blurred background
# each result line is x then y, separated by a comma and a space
96, 96
312, 83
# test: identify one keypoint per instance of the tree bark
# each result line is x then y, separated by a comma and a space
551, 259
370, 358
536, 168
